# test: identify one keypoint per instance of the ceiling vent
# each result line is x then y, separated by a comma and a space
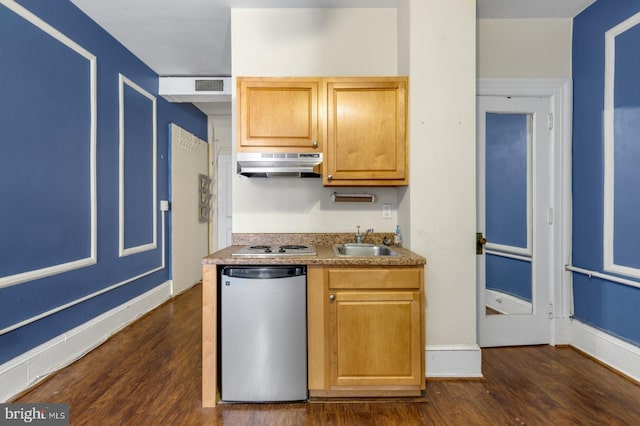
195, 89
213, 85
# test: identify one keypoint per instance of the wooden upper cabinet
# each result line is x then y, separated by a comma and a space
358, 123
279, 114
366, 132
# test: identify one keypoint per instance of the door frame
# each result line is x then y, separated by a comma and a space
217, 147
532, 327
559, 93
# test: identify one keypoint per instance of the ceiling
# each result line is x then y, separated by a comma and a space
514, 9
192, 37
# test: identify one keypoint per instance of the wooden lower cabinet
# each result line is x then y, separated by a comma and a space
372, 325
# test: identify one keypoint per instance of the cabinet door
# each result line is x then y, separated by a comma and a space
375, 339
279, 114
366, 132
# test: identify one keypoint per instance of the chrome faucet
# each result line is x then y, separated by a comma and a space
360, 237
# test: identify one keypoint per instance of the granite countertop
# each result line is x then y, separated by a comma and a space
324, 248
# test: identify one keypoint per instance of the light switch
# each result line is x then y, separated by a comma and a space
386, 211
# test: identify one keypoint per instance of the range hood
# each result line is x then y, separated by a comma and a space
279, 164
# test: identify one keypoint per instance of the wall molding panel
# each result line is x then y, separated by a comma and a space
129, 136
611, 133
33, 366
95, 294
90, 258
75, 154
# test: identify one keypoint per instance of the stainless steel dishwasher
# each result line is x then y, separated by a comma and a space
263, 333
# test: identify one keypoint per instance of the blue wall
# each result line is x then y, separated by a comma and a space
506, 179
45, 172
509, 276
506, 166
603, 304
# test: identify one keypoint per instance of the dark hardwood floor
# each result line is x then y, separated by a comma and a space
149, 374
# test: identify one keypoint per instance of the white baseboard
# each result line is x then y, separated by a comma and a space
614, 352
453, 361
560, 331
31, 367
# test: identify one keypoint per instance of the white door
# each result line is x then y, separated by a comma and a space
513, 198
189, 195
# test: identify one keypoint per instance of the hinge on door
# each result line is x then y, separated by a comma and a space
550, 121
550, 310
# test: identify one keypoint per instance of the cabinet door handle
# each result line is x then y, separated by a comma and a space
332, 297
314, 144
329, 177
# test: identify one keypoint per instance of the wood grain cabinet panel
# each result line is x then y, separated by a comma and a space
279, 114
375, 338
366, 132
372, 338
368, 278
358, 123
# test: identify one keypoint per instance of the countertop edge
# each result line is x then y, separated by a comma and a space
325, 256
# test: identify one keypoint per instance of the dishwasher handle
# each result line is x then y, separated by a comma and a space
264, 272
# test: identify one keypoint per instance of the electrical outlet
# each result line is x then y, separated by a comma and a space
386, 211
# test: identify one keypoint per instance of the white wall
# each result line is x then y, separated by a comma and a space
435, 44
310, 42
438, 209
313, 42
524, 48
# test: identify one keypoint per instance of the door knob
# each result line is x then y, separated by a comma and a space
332, 297
480, 242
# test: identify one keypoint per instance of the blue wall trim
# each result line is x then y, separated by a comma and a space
626, 122
602, 304
138, 166
594, 299
44, 172
45, 206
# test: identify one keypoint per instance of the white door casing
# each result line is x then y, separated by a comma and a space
189, 235
525, 325
224, 200
221, 172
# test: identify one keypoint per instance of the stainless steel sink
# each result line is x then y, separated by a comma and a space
362, 250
